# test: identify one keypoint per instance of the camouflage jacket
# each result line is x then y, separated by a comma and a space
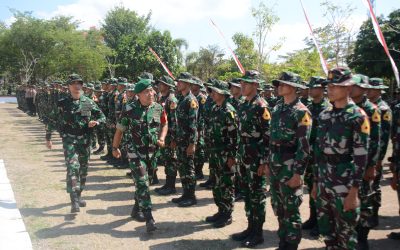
186, 120
306, 101
290, 134
72, 116
374, 116
223, 130
342, 145
396, 137
119, 102
236, 102
316, 109
170, 103
271, 101
386, 124
254, 122
201, 100
112, 96
143, 126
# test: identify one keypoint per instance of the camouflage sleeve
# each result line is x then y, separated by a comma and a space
264, 120
317, 152
232, 134
54, 121
171, 113
123, 123
98, 114
361, 131
303, 131
192, 121
375, 138
385, 132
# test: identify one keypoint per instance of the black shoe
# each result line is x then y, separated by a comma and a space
362, 245
255, 238
157, 190
394, 236
312, 221
150, 223
179, 199
291, 246
99, 151
314, 231
82, 203
244, 234
155, 180
136, 214
282, 244
105, 157
209, 182
200, 176
167, 191
214, 218
224, 220
188, 202
374, 219
74, 203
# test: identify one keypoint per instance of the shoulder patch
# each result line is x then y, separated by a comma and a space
232, 114
365, 127
376, 117
203, 100
266, 115
306, 120
193, 104
387, 116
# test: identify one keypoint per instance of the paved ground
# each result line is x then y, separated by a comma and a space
37, 176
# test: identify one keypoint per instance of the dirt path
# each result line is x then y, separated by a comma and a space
37, 176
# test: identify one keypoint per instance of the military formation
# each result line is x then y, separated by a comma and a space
328, 134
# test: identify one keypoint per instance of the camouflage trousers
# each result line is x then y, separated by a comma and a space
253, 188
308, 180
185, 168
101, 135
366, 196
338, 227
77, 154
376, 187
168, 156
140, 171
110, 136
285, 203
199, 156
223, 189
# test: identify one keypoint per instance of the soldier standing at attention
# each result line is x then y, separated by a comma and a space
318, 104
75, 118
253, 158
185, 140
290, 150
146, 123
375, 89
223, 132
342, 153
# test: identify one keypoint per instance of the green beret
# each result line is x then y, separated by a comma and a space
142, 85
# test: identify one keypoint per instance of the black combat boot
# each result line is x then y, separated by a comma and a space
99, 151
150, 223
208, 184
374, 219
190, 199
224, 220
282, 244
74, 202
312, 221
215, 217
199, 172
154, 180
256, 237
244, 234
82, 203
136, 214
170, 186
362, 237
181, 198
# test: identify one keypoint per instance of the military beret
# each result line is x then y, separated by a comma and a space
142, 85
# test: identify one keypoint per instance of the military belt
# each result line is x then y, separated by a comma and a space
74, 131
337, 159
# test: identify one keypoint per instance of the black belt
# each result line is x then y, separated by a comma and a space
337, 158
283, 149
74, 131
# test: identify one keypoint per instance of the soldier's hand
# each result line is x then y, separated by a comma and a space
263, 169
116, 153
369, 174
314, 191
393, 182
295, 181
190, 149
161, 143
231, 162
49, 144
92, 124
351, 202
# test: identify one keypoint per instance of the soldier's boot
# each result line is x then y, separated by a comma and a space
209, 183
374, 219
282, 244
224, 220
190, 199
314, 231
181, 198
74, 202
244, 234
154, 180
136, 214
213, 218
292, 246
107, 156
82, 202
199, 172
238, 196
170, 188
256, 237
362, 237
312, 221
150, 223
99, 151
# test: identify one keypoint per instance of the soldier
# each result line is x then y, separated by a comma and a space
358, 95
305, 95
268, 94
318, 104
223, 132
375, 89
146, 123
75, 118
199, 156
289, 144
100, 130
342, 153
120, 101
185, 139
168, 100
254, 119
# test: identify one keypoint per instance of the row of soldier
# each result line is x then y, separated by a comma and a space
337, 142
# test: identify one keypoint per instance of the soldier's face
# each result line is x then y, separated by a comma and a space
373, 93
235, 91
337, 93
357, 91
195, 89
217, 97
182, 86
121, 87
146, 97
285, 89
248, 88
75, 88
316, 92
162, 87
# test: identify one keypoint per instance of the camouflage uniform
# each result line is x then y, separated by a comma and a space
111, 118
199, 157
342, 153
396, 147
290, 151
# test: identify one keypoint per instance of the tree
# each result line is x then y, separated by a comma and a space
304, 62
205, 63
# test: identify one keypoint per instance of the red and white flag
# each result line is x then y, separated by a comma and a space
162, 63
381, 39
321, 57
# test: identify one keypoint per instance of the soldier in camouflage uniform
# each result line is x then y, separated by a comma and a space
318, 104
111, 122
168, 100
100, 130
199, 156
254, 120
375, 89
342, 153
120, 101
268, 95
223, 132
185, 139
75, 118
289, 152
146, 123
366, 193
305, 95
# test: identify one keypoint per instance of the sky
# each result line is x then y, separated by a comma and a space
190, 19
